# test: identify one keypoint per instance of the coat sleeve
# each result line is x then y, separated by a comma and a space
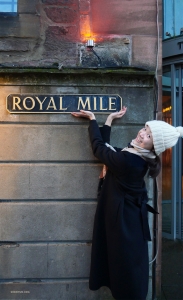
113, 160
105, 133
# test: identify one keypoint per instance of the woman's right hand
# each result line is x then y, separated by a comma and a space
84, 114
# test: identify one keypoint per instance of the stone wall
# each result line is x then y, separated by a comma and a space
48, 174
53, 33
49, 180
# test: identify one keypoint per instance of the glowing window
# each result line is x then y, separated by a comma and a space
8, 6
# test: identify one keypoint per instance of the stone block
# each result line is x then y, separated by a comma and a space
23, 261
62, 289
27, 6
13, 44
46, 221
61, 15
131, 17
112, 53
61, 42
68, 260
15, 181
84, 6
25, 26
144, 53
56, 142
63, 181
59, 2
49, 181
58, 260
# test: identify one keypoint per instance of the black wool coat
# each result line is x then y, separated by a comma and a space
119, 258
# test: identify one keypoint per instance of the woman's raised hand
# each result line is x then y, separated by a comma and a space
84, 114
118, 114
115, 115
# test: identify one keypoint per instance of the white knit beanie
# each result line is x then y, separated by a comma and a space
164, 135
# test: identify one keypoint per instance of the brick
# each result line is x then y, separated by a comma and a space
64, 290
13, 44
46, 221
61, 15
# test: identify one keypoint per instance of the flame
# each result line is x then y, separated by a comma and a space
85, 28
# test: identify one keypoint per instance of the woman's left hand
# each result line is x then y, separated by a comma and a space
118, 114
84, 114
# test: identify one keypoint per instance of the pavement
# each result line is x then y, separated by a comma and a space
172, 270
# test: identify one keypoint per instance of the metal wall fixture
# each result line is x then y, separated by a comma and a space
90, 45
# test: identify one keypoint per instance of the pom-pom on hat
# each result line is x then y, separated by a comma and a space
164, 135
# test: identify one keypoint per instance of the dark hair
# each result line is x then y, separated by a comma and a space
154, 166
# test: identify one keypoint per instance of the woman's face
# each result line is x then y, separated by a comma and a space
144, 138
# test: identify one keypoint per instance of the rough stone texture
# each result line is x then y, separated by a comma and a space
45, 260
54, 143
12, 44
49, 181
23, 261
59, 2
84, 6
47, 221
64, 290
47, 207
25, 26
28, 6
144, 51
61, 15
126, 17
60, 42
116, 52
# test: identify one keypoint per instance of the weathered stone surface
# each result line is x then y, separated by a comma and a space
68, 260
84, 6
26, 25
137, 96
59, 2
63, 289
127, 17
49, 181
111, 53
144, 52
23, 261
13, 44
61, 15
46, 221
55, 143
59, 260
63, 181
15, 180
27, 6
60, 41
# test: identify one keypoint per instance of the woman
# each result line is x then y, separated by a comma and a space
119, 258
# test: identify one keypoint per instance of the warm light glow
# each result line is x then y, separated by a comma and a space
167, 109
85, 27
